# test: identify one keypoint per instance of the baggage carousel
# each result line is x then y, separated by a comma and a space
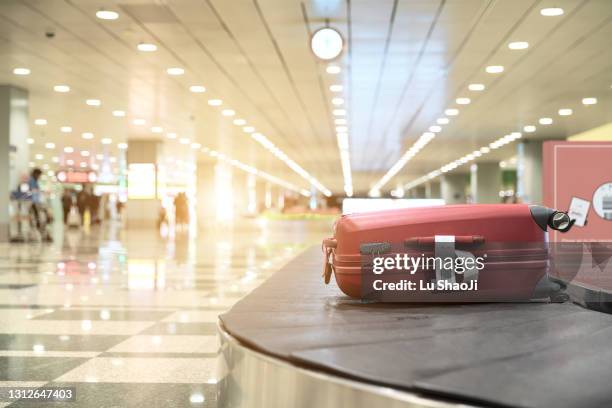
296, 342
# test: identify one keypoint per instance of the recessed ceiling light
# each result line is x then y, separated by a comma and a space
545, 121
70, 162
333, 69
99, 156
61, 88
494, 69
215, 102
55, 159
171, 135
228, 112
21, 71
106, 140
175, 71
589, 101
248, 129
50, 145
139, 122
147, 47
463, 101
68, 149
435, 129
66, 129
336, 88
85, 153
239, 122
552, 11
39, 156
184, 140
529, 128
122, 146
565, 112
518, 45
30, 140
107, 15
93, 102
118, 113
157, 129
87, 135
452, 112
40, 122
337, 101
326, 43
340, 121
442, 121
476, 87
197, 89
196, 145
339, 112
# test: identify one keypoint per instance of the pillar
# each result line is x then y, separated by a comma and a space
205, 192
432, 189
240, 188
529, 172
143, 205
485, 182
14, 149
452, 188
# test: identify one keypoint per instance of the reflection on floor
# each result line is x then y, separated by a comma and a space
129, 317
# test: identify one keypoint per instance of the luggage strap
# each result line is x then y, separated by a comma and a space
329, 245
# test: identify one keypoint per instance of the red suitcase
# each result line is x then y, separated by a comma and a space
513, 237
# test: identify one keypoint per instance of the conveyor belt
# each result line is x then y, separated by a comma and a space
528, 355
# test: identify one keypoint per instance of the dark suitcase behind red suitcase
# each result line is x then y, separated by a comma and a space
513, 237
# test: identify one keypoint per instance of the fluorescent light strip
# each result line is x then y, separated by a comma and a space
465, 159
421, 142
343, 143
256, 172
268, 145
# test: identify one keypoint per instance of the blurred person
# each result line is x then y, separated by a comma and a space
83, 202
181, 209
162, 218
37, 209
93, 203
66, 203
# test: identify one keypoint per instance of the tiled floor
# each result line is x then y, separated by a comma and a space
128, 317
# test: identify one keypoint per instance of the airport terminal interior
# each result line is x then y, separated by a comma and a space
170, 169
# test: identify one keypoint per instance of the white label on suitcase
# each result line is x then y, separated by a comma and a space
444, 248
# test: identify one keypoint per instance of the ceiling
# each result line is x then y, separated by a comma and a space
405, 62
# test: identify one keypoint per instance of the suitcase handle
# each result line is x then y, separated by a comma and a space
459, 239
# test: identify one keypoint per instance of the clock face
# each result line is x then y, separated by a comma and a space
602, 201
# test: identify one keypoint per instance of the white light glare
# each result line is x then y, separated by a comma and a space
494, 69
451, 112
147, 47
21, 71
518, 45
107, 15
476, 87
551, 11
197, 89
326, 43
175, 71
